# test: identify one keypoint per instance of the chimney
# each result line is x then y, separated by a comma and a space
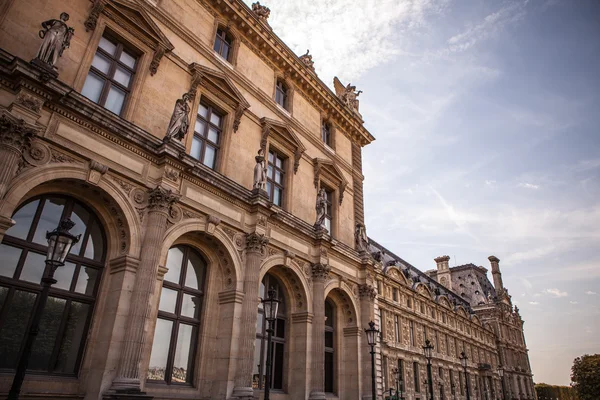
496, 274
444, 277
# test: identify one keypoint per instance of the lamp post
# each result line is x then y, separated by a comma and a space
463, 361
60, 242
428, 350
396, 371
372, 340
501, 374
270, 306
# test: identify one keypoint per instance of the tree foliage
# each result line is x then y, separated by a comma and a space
585, 377
552, 392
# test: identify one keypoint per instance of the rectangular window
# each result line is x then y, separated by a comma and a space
397, 327
437, 341
111, 74
394, 294
416, 376
385, 373
328, 208
408, 303
275, 177
207, 135
422, 305
379, 292
401, 373
452, 388
460, 383
281, 93
326, 133
447, 345
444, 318
425, 332
412, 332
222, 44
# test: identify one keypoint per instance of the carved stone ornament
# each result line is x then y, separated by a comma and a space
96, 171
158, 55
161, 199
347, 94
29, 102
180, 119
307, 61
239, 111
56, 37
321, 208
260, 171
261, 11
92, 20
360, 238
14, 134
171, 174
320, 272
256, 242
367, 291
211, 224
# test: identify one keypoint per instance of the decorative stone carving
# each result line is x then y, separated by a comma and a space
180, 120
171, 174
320, 271
321, 208
211, 224
14, 134
96, 171
360, 238
161, 199
92, 20
261, 11
377, 256
158, 55
307, 61
56, 37
347, 94
29, 102
256, 242
367, 291
239, 111
58, 157
260, 171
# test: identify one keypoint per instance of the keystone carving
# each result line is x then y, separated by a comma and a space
211, 224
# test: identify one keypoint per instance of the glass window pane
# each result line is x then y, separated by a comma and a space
168, 300
73, 336
160, 349
64, 276
328, 224
271, 157
217, 46
95, 246
258, 369
53, 208
107, 45
269, 187
33, 269
278, 176
81, 217
277, 196
328, 339
259, 323
23, 219
203, 111
225, 51
279, 163
195, 271
101, 63
127, 59
213, 135
46, 338
174, 261
92, 88
277, 366
209, 156
183, 354
122, 76
9, 257
190, 307
86, 281
14, 324
270, 171
196, 150
3, 294
114, 101
199, 127
280, 328
215, 119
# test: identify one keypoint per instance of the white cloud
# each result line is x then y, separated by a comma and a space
490, 183
574, 302
535, 303
555, 292
590, 293
528, 185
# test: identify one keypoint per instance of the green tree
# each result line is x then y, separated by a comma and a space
585, 377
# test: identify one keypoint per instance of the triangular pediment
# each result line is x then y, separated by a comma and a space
220, 84
285, 135
331, 171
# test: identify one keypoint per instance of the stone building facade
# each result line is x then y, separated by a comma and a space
204, 162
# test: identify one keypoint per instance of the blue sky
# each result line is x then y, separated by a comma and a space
486, 114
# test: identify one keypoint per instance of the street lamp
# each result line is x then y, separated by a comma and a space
397, 373
463, 361
270, 306
428, 350
60, 242
372, 340
501, 375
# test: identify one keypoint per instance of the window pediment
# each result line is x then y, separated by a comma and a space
329, 170
285, 135
220, 85
134, 19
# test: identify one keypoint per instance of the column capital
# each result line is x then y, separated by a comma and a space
256, 242
14, 133
367, 292
161, 199
320, 272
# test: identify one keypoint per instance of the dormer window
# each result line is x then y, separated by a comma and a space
281, 94
223, 44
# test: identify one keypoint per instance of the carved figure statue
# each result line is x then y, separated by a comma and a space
321, 208
347, 94
261, 12
489, 298
360, 237
180, 120
56, 37
307, 60
260, 171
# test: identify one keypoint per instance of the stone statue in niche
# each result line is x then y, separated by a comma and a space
180, 120
261, 11
347, 94
260, 171
321, 208
56, 37
360, 237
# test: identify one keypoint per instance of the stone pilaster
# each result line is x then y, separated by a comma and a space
255, 248
15, 138
367, 295
320, 272
128, 374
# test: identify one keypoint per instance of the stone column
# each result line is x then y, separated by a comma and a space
15, 138
128, 378
255, 247
320, 273
367, 313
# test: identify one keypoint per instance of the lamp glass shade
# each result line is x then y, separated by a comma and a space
371, 334
463, 359
271, 305
500, 371
428, 349
60, 242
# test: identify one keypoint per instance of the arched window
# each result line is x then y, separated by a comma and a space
63, 329
329, 347
278, 339
281, 94
176, 333
223, 44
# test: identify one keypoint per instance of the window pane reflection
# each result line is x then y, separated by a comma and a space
15, 322
168, 300
86, 281
23, 219
174, 260
80, 216
9, 257
72, 338
194, 273
64, 276
160, 350
43, 346
53, 209
190, 307
182, 353
33, 269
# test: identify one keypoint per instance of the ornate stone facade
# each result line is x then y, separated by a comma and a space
193, 193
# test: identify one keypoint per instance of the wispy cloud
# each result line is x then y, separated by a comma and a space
528, 185
556, 292
590, 293
574, 302
534, 303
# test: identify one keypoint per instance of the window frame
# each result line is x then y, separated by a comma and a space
222, 39
272, 166
327, 133
282, 91
203, 137
329, 211
330, 350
